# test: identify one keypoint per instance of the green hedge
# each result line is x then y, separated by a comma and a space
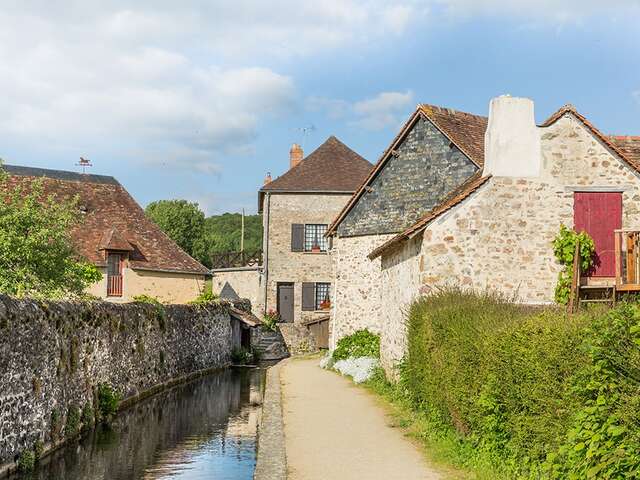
538, 392
361, 343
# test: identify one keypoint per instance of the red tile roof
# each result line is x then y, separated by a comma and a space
457, 196
111, 218
465, 130
629, 145
332, 167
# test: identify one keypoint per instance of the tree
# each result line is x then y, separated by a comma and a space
222, 233
37, 256
182, 221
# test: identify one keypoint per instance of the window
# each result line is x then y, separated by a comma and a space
314, 237
322, 295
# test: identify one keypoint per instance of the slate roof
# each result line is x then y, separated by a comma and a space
332, 167
464, 130
111, 218
453, 199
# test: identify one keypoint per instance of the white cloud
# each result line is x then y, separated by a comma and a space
164, 82
386, 109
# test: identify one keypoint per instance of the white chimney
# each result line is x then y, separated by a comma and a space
512, 139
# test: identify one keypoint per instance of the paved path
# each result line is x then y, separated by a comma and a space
336, 431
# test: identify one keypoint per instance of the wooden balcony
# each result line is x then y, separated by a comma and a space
627, 257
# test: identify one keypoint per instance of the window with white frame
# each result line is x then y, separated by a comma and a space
314, 238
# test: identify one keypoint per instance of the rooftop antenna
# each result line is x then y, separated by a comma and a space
84, 163
306, 131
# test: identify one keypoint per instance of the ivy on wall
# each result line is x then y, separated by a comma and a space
564, 248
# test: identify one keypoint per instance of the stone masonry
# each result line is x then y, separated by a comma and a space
427, 168
53, 356
500, 237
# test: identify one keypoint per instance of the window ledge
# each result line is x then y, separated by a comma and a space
315, 253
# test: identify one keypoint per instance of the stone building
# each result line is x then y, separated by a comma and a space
134, 255
496, 231
296, 208
436, 151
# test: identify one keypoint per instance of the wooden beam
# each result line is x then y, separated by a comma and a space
618, 240
575, 285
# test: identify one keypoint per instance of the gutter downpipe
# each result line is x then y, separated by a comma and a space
266, 250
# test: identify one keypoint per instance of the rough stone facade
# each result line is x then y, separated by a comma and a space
356, 299
297, 267
427, 168
500, 237
53, 356
246, 281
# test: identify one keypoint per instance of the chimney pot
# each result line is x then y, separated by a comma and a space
267, 178
295, 155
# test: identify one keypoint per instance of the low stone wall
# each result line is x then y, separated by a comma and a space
298, 338
53, 356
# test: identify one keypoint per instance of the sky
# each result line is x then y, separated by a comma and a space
200, 99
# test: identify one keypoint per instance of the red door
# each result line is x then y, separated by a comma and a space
599, 214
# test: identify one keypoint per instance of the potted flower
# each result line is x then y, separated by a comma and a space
325, 304
315, 248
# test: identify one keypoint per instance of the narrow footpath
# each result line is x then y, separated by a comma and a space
335, 430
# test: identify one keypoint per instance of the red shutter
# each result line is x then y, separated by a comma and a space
599, 214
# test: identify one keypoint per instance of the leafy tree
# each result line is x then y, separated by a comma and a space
222, 233
37, 257
182, 221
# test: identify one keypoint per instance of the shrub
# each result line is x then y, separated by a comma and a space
108, 401
158, 307
564, 249
26, 461
270, 320
205, 298
242, 356
536, 392
361, 343
72, 426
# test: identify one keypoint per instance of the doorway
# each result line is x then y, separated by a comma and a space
285, 302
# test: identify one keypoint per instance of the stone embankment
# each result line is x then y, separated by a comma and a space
55, 356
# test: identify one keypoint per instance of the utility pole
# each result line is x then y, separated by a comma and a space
242, 233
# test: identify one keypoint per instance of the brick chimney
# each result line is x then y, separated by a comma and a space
267, 178
295, 155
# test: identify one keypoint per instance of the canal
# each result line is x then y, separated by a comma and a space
202, 429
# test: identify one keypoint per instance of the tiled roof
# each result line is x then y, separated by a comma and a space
629, 145
332, 167
110, 217
465, 130
457, 196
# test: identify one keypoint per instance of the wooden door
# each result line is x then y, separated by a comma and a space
599, 214
285, 302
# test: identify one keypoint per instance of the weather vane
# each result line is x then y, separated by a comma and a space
84, 163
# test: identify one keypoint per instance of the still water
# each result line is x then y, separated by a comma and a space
204, 429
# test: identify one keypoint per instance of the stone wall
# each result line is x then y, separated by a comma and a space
427, 168
298, 338
500, 238
54, 355
168, 287
297, 267
356, 300
245, 281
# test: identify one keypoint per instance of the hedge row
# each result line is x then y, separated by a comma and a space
545, 394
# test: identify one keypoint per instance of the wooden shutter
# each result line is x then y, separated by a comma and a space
297, 237
308, 296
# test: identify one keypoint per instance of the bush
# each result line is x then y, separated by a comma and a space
534, 392
108, 401
205, 298
362, 343
564, 249
242, 356
270, 320
26, 461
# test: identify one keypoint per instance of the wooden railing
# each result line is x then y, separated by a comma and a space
249, 258
114, 285
627, 259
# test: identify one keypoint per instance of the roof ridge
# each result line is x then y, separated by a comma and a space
56, 174
426, 107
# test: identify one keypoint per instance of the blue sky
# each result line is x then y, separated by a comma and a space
200, 100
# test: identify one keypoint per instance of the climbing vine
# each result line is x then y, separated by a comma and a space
564, 247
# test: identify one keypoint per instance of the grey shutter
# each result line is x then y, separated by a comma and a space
297, 237
308, 296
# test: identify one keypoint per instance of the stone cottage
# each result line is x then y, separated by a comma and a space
297, 208
496, 231
436, 151
134, 255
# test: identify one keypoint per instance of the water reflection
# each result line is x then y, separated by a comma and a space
205, 429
